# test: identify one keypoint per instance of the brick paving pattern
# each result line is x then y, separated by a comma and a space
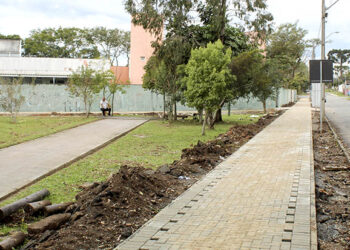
261, 197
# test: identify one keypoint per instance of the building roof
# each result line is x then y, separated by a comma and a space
46, 67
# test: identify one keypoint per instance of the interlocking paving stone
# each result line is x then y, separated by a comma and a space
259, 197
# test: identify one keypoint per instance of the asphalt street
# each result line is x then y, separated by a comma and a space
338, 112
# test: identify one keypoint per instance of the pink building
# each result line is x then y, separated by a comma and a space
140, 51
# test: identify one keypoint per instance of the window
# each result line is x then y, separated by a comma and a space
142, 58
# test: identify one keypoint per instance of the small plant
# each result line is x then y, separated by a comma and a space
11, 98
86, 83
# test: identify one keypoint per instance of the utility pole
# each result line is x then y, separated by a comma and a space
323, 36
323, 57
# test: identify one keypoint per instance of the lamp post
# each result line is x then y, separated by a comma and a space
323, 57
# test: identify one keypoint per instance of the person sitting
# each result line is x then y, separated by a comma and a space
104, 106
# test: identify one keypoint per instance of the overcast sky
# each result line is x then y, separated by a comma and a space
22, 16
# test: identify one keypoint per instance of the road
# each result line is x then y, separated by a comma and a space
338, 112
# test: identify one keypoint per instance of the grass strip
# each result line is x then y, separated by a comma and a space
32, 127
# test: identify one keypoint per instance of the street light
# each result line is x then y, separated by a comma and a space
323, 57
316, 42
335, 32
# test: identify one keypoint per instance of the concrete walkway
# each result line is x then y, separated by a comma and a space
24, 163
338, 112
261, 197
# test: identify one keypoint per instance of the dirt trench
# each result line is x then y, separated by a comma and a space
332, 178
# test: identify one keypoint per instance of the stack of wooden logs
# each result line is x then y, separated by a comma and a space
34, 204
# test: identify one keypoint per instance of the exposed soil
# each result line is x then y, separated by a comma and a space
332, 173
109, 212
290, 104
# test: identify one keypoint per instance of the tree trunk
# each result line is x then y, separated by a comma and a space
51, 222
341, 70
86, 107
229, 108
13, 207
13, 241
264, 105
200, 115
57, 208
164, 105
112, 103
32, 208
218, 116
203, 125
175, 110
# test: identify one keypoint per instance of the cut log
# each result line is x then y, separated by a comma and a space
13, 207
34, 207
51, 222
12, 241
56, 208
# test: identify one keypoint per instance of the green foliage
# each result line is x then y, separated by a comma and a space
256, 75
61, 42
112, 42
86, 83
287, 45
11, 37
78, 43
208, 77
340, 57
11, 98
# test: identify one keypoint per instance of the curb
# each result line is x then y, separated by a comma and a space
336, 137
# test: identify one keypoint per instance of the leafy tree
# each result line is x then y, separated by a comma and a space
264, 86
112, 42
208, 77
114, 86
86, 83
251, 13
11, 98
11, 37
61, 42
287, 46
155, 78
340, 57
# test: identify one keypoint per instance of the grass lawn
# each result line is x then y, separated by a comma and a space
151, 145
32, 127
335, 92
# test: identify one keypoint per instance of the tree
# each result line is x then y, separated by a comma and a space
111, 42
207, 79
11, 98
61, 42
264, 86
340, 57
114, 86
287, 46
256, 75
155, 78
11, 37
86, 83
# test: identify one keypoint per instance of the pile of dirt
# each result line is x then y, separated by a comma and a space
332, 173
107, 213
290, 104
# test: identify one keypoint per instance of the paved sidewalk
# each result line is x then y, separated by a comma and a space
261, 197
24, 163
